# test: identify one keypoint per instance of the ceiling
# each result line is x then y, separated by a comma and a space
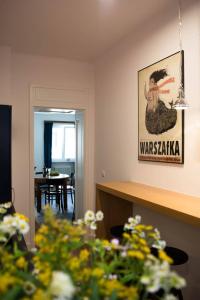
73, 29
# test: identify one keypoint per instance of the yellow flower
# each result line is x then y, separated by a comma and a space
106, 243
152, 235
74, 263
142, 242
40, 295
41, 265
84, 275
36, 259
84, 254
21, 263
163, 256
39, 239
126, 235
22, 217
135, 246
128, 293
112, 285
149, 227
43, 229
6, 281
146, 249
46, 249
140, 227
45, 277
135, 254
135, 237
97, 272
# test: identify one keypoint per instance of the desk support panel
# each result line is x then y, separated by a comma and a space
116, 212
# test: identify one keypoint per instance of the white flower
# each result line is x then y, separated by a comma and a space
7, 204
10, 220
2, 210
89, 216
93, 226
138, 219
177, 281
123, 254
170, 297
22, 226
99, 216
157, 232
112, 276
127, 226
157, 275
115, 242
61, 286
29, 287
154, 286
13, 224
35, 272
8, 225
79, 221
131, 220
142, 234
159, 244
107, 248
3, 238
34, 250
145, 279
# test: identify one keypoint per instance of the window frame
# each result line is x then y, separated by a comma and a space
63, 160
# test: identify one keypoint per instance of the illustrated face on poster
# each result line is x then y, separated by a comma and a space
160, 125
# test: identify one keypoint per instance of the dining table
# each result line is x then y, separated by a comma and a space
56, 180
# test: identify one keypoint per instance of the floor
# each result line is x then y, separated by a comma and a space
39, 217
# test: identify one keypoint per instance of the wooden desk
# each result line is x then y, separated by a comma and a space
116, 200
51, 180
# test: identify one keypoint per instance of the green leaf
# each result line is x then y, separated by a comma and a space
17, 252
127, 278
95, 291
14, 293
113, 296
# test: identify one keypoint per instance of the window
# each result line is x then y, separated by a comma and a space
63, 142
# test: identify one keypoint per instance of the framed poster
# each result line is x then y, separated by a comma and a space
160, 126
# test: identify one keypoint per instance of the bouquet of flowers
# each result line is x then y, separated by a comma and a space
68, 262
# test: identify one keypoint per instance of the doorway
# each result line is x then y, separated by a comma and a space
78, 99
58, 160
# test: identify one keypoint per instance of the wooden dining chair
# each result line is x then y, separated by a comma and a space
54, 193
71, 187
43, 187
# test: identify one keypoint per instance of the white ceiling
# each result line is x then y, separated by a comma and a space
74, 29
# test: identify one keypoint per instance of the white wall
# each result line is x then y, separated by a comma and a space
117, 104
117, 120
5, 55
39, 119
17, 73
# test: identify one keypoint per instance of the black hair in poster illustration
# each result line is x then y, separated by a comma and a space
159, 118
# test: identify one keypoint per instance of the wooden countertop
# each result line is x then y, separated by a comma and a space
181, 206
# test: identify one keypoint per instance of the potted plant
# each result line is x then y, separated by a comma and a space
68, 262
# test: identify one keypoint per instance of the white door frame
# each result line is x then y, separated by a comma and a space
68, 98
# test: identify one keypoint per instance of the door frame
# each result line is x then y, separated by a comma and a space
66, 98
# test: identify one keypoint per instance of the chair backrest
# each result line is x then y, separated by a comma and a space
72, 179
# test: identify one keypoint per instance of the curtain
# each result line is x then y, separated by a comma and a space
48, 143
